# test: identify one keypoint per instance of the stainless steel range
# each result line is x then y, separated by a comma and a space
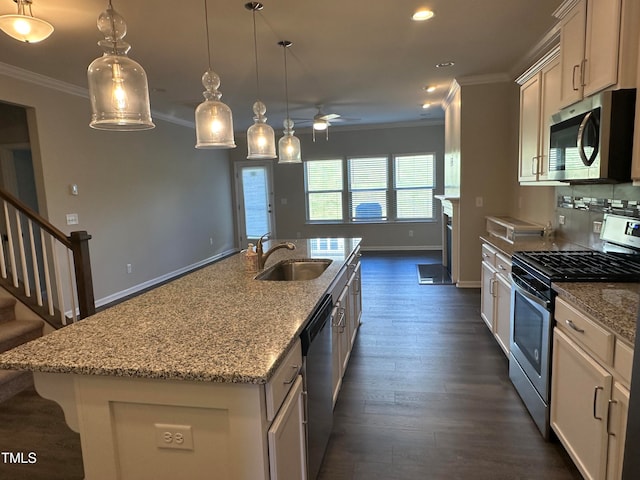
532, 303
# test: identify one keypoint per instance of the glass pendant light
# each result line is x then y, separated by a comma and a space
289, 144
117, 85
261, 139
23, 26
214, 121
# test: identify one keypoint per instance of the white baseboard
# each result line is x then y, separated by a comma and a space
467, 284
414, 248
163, 278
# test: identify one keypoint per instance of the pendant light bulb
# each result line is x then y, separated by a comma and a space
214, 121
118, 87
289, 144
23, 26
261, 139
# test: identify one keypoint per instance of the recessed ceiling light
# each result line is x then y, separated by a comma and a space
430, 88
426, 105
445, 64
422, 14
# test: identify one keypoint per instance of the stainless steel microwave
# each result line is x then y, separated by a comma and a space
592, 141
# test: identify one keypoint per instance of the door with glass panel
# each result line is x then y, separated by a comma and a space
254, 197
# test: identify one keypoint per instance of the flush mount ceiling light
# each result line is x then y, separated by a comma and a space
289, 144
117, 85
214, 121
445, 64
422, 14
23, 26
261, 139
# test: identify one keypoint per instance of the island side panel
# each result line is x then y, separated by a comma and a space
124, 421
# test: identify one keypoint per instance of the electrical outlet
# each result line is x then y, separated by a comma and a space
72, 219
479, 201
597, 227
211, 241
561, 219
174, 436
129, 268
411, 233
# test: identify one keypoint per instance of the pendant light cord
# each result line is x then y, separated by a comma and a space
286, 83
255, 48
206, 23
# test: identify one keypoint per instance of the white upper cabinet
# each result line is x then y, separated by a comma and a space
598, 45
539, 99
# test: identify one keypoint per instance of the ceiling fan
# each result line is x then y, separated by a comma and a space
322, 121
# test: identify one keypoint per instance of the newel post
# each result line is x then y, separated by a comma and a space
82, 265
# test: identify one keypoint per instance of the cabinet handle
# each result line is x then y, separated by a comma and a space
609, 417
595, 401
573, 326
296, 371
341, 320
573, 78
501, 267
583, 69
491, 287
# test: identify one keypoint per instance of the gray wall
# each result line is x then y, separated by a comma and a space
147, 198
289, 184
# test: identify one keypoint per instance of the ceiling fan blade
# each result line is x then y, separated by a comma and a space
330, 116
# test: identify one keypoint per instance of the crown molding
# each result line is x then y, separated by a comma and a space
33, 78
547, 44
539, 65
564, 8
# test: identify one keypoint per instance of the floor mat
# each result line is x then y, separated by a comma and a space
433, 274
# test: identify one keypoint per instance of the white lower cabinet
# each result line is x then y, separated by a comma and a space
495, 308
345, 320
287, 438
589, 405
580, 393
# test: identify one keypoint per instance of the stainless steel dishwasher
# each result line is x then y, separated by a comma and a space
317, 373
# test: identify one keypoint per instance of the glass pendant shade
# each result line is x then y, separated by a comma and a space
23, 26
261, 139
289, 145
118, 86
214, 121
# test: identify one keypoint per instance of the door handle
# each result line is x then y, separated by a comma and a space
595, 401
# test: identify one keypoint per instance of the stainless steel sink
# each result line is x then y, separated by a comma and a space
295, 269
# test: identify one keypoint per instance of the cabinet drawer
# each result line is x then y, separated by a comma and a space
277, 388
488, 254
623, 361
503, 265
576, 324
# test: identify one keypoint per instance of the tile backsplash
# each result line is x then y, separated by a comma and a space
584, 206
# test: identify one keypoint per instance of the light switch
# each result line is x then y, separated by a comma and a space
72, 219
73, 189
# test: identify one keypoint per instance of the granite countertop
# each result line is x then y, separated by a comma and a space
217, 324
530, 244
613, 305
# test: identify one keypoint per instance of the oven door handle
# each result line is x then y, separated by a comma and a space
528, 296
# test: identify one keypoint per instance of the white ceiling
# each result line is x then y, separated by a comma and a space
366, 60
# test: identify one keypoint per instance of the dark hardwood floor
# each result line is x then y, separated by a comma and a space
426, 396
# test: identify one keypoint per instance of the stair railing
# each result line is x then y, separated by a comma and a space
44, 268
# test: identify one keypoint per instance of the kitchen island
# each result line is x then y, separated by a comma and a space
180, 382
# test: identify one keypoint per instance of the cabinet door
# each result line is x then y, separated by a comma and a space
339, 340
601, 45
572, 38
580, 393
530, 94
618, 410
487, 295
549, 104
635, 164
502, 312
287, 438
355, 303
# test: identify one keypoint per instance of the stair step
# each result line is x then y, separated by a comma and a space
7, 309
13, 382
18, 332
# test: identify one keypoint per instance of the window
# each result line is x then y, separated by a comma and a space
370, 189
323, 180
